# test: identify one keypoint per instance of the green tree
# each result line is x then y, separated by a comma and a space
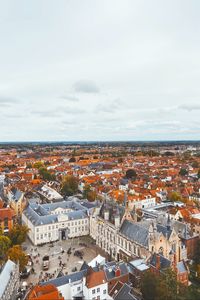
175, 196
46, 175
198, 174
131, 174
89, 194
162, 286
18, 234
195, 164
69, 186
183, 172
72, 159
38, 164
28, 165
16, 254
5, 244
149, 286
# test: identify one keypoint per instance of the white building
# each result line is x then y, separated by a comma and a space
54, 221
147, 202
9, 281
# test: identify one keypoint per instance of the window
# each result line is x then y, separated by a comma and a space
37, 229
98, 290
93, 291
104, 292
78, 288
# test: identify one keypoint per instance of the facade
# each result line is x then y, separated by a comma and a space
16, 200
9, 279
7, 219
54, 221
95, 285
92, 282
145, 203
117, 233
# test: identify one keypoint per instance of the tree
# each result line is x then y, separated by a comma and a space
198, 174
195, 164
46, 175
18, 234
5, 244
149, 286
16, 254
175, 196
162, 286
89, 194
131, 174
28, 166
183, 172
69, 186
72, 159
38, 164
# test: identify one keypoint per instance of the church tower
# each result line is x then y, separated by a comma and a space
127, 213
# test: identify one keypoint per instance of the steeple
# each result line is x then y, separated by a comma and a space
168, 223
127, 214
125, 199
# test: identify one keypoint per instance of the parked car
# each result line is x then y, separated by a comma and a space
45, 262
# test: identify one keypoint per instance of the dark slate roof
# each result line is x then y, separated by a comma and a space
164, 230
164, 262
124, 293
66, 279
112, 266
84, 266
113, 208
16, 194
135, 232
180, 227
40, 214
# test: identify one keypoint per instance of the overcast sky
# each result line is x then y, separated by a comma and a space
99, 70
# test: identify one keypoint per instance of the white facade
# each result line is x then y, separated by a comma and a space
9, 278
99, 292
48, 223
144, 203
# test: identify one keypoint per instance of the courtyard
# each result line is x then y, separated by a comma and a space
62, 260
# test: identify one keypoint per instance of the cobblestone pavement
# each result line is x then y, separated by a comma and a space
58, 256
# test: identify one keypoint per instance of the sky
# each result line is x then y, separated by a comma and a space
99, 70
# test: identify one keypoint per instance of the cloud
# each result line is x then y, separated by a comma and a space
190, 107
86, 86
7, 101
46, 113
111, 107
57, 112
70, 98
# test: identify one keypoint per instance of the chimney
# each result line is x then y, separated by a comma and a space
117, 221
117, 272
106, 215
157, 262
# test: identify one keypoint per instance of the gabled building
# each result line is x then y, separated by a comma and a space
47, 292
116, 231
7, 219
9, 280
16, 200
